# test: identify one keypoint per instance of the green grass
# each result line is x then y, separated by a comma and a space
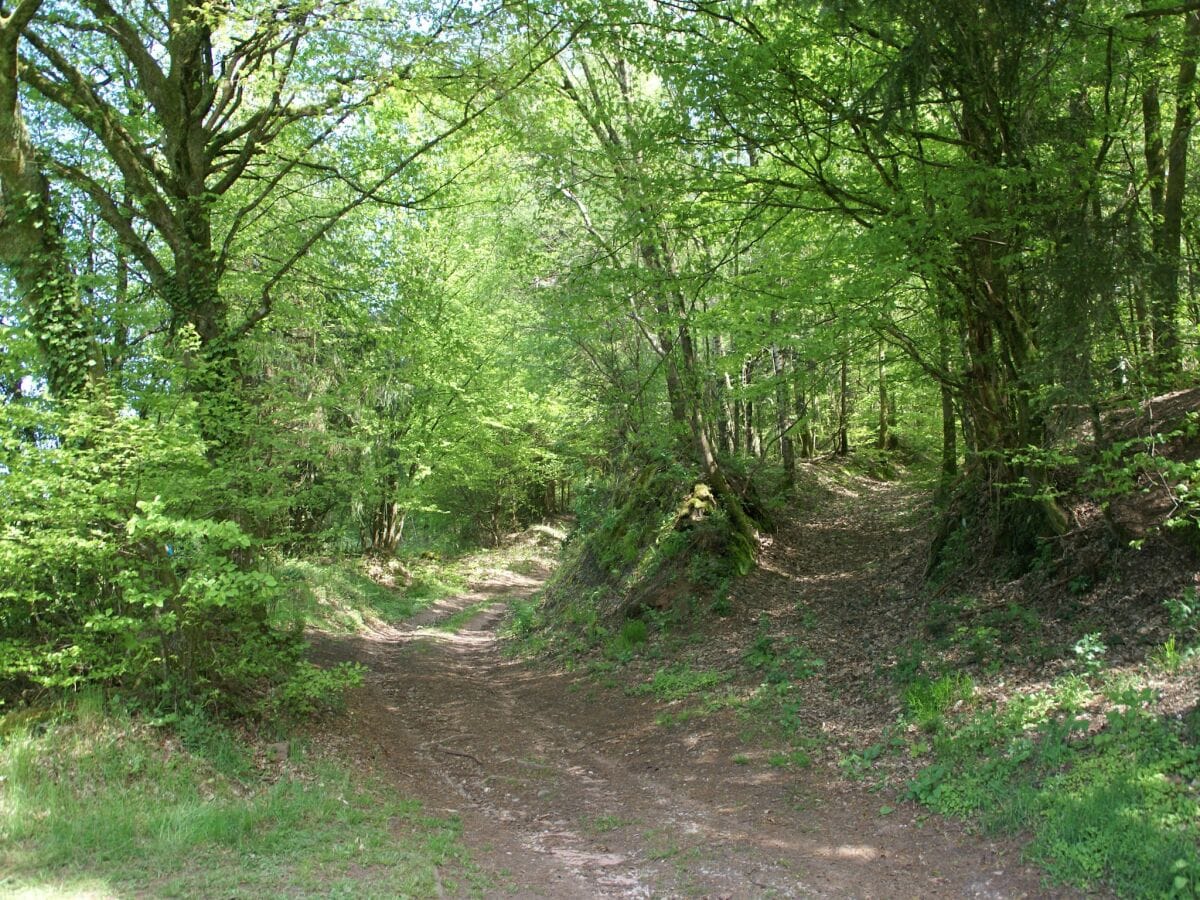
680, 681
339, 597
927, 701
1117, 807
112, 808
606, 823
455, 622
798, 759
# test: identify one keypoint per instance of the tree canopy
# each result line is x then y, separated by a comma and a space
341, 275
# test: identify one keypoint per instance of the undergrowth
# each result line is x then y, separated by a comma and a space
1109, 789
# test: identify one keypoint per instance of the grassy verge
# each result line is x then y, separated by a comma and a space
1109, 789
1105, 783
340, 596
103, 807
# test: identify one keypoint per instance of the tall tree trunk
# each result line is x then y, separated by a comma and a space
1166, 170
753, 437
949, 432
739, 417
720, 392
386, 528
804, 412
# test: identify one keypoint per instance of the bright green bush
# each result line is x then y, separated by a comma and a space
119, 566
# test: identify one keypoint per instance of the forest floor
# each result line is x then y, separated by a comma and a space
569, 786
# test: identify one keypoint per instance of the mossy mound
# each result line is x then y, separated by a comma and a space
658, 541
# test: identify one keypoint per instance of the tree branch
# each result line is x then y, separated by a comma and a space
1177, 10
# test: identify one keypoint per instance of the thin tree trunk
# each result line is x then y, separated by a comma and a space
842, 443
1166, 168
949, 432
753, 438
883, 438
787, 452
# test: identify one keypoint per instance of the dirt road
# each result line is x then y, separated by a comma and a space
567, 789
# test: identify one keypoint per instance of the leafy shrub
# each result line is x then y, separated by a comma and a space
1090, 651
311, 690
1184, 614
1131, 465
522, 618
115, 571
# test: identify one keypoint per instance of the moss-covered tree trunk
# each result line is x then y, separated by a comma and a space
31, 240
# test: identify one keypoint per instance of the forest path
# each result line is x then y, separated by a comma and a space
567, 789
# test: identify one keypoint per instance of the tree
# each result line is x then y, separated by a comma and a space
31, 239
930, 137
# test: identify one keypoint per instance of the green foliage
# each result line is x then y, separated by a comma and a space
1090, 651
522, 619
1168, 657
1181, 645
1184, 614
310, 690
775, 708
779, 660
114, 572
680, 681
857, 765
1143, 463
795, 759
1113, 807
633, 634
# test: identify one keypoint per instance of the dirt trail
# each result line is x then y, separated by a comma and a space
566, 789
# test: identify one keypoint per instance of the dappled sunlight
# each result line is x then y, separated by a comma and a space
856, 852
77, 888
708, 449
